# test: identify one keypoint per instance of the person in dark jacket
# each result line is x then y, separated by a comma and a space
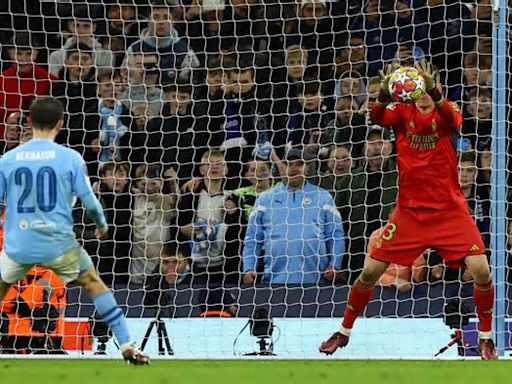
171, 139
112, 254
366, 198
135, 145
209, 106
306, 119
76, 89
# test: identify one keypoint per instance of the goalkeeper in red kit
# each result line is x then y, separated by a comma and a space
431, 210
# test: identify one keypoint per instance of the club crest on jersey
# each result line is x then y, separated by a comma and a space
23, 224
307, 201
434, 125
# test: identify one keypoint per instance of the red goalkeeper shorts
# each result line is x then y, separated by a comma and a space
410, 232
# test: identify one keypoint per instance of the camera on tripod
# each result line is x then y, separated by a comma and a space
157, 295
262, 327
261, 324
456, 314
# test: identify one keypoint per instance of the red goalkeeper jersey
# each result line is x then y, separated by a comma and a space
426, 156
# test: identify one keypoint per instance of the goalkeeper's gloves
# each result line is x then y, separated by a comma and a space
428, 72
262, 151
385, 76
432, 80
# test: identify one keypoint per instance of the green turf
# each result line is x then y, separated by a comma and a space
257, 372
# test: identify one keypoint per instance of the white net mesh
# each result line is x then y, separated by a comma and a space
184, 112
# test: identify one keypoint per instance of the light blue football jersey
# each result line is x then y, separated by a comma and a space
38, 181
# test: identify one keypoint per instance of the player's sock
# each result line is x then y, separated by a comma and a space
113, 316
360, 295
483, 295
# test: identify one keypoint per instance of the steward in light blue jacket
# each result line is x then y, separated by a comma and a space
302, 234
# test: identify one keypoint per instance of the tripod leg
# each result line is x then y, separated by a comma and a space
166, 339
263, 346
161, 349
146, 336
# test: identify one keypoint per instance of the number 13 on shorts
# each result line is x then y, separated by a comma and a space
388, 231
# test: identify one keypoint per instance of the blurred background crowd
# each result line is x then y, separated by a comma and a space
187, 110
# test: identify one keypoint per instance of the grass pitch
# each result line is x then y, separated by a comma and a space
257, 372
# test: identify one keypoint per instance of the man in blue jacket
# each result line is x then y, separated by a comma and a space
299, 228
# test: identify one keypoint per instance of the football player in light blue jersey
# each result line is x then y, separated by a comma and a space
38, 182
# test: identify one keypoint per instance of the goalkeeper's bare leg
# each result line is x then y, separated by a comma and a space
360, 294
107, 307
483, 294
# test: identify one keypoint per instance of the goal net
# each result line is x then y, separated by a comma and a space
243, 180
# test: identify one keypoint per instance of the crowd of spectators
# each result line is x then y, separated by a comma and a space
186, 111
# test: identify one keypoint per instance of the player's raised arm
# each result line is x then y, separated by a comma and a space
449, 111
380, 113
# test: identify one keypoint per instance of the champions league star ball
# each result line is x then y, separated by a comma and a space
406, 85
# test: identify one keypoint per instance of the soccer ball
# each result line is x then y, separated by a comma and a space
406, 85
